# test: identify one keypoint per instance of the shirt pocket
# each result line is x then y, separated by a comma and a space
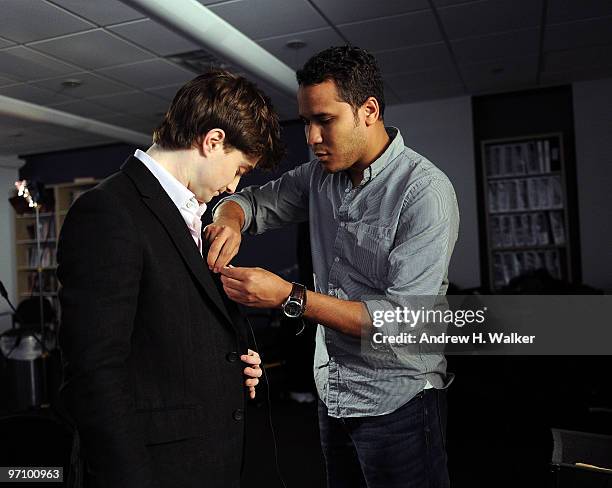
371, 248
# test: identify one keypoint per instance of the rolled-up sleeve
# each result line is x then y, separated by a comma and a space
418, 262
277, 203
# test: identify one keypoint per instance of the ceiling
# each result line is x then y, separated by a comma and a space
426, 49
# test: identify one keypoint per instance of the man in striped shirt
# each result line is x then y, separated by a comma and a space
383, 224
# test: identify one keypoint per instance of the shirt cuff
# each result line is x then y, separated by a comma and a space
377, 309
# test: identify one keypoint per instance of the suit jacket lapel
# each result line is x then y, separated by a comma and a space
162, 206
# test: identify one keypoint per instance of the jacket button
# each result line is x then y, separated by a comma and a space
238, 414
232, 357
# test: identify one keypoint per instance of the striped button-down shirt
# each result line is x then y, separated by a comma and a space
389, 238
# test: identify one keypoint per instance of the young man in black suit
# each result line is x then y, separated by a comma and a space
153, 353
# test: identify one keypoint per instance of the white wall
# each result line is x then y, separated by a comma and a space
593, 127
441, 130
8, 175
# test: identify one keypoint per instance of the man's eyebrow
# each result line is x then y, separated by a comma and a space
316, 116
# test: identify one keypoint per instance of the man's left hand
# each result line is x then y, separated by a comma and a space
255, 287
253, 371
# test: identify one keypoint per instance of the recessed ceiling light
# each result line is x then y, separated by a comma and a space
71, 83
295, 44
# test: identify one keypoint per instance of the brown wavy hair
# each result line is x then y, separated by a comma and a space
219, 99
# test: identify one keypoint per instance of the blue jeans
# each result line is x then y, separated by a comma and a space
405, 448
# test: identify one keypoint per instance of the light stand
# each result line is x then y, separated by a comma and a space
23, 191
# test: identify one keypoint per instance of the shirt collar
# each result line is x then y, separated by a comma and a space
395, 148
180, 195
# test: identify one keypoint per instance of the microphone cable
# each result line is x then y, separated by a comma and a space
265, 376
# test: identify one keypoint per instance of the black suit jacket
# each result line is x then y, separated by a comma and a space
150, 347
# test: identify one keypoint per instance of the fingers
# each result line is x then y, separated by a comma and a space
254, 372
224, 245
231, 282
251, 382
251, 358
236, 295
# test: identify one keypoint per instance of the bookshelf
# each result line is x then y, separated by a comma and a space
526, 207
57, 201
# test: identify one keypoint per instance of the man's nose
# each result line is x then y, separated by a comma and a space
313, 135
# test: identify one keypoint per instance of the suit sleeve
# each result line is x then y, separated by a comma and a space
99, 268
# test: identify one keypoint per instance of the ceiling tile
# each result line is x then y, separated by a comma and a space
404, 82
446, 3
490, 16
26, 20
343, 11
416, 58
92, 86
501, 74
563, 77
568, 10
573, 59
133, 103
154, 37
33, 94
583, 33
24, 64
507, 44
4, 81
400, 31
315, 40
432, 93
148, 74
92, 50
82, 108
5, 43
166, 92
101, 12
260, 19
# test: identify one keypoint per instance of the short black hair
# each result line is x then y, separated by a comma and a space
354, 70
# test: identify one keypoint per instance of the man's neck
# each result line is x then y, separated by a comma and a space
376, 147
175, 162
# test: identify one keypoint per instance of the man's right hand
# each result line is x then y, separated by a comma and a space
224, 239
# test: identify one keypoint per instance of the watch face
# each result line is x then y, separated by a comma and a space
293, 309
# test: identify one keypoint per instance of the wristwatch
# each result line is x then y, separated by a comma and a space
295, 304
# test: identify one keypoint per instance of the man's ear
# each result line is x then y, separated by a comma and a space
371, 110
212, 141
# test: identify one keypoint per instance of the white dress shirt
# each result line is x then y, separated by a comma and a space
181, 196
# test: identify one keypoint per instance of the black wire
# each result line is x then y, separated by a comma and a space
265, 376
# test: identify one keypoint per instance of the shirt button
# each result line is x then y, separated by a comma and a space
347, 190
232, 357
238, 414
336, 259
341, 224
189, 205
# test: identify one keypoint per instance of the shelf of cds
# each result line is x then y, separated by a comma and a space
526, 207
53, 209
